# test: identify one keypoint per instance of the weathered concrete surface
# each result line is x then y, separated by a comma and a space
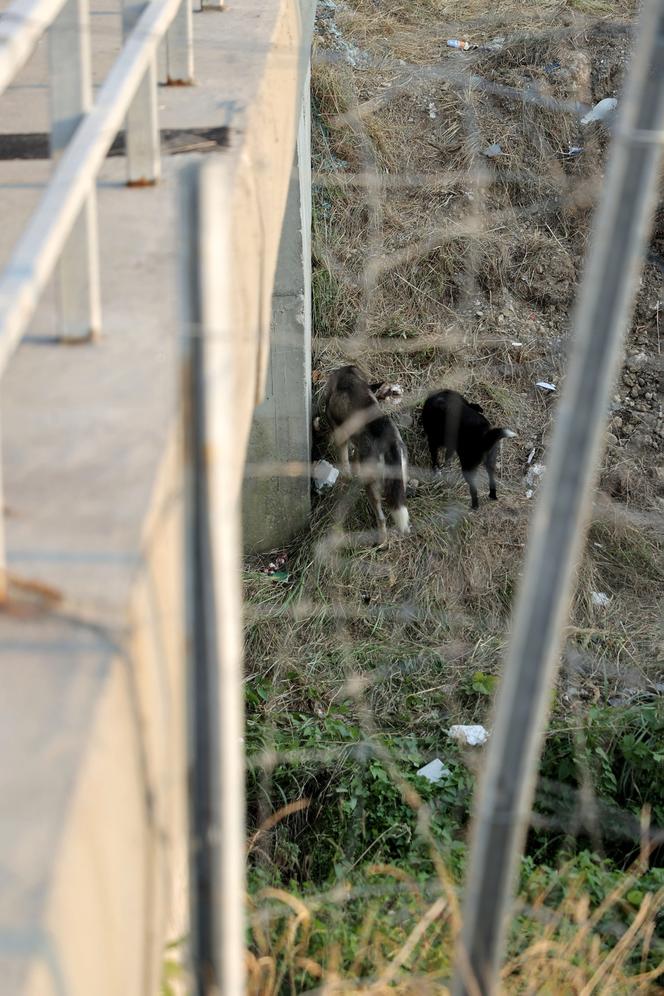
92, 780
277, 506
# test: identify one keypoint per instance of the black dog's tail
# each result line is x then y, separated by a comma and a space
493, 436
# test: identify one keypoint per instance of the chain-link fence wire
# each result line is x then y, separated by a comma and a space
440, 260
453, 193
452, 199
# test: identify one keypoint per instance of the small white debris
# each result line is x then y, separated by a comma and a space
325, 475
530, 456
473, 736
517, 345
532, 479
433, 113
317, 424
573, 151
545, 385
535, 472
492, 151
600, 599
434, 771
602, 111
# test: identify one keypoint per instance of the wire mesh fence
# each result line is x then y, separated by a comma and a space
453, 196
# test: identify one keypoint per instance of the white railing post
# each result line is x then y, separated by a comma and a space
70, 98
180, 47
142, 125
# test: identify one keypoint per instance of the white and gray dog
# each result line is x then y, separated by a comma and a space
378, 452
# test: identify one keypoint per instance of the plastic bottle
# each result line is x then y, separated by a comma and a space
456, 43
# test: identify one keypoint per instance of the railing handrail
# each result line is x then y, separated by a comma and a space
36, 254
21, 27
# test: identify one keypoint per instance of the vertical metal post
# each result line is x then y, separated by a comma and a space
3, 548
606, 298
70, 98
142, 125
213, 478
180, 48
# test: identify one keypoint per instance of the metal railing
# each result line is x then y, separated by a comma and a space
61, 234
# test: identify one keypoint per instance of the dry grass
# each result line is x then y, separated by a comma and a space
458, 274
433, 266
405, 932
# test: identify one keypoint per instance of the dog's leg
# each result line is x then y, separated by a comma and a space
373, 490
344, 461
490, 464
469, 477
401, 519
355, 463
433, 450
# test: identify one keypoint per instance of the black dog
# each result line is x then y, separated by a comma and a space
379, 454
457, 426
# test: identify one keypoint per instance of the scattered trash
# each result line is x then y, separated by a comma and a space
433, 113
325, 475
278, 575
389, 392
545, 385
602, 111
600, 599
530, 456
473, 736
464, 46
535, 473
495, 45
277, 568
434, 771
492, 151
573, 151
552, 67
517, 345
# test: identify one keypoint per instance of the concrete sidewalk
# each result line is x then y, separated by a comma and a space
91, 716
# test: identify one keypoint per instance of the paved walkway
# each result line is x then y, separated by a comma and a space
92, 686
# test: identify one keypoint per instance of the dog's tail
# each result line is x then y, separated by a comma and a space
493, 436
396, 466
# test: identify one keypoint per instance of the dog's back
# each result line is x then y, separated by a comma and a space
457, 426
452, 423
349, 401
356, 417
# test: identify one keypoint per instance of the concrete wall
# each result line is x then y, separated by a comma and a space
92, 836
277, 506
